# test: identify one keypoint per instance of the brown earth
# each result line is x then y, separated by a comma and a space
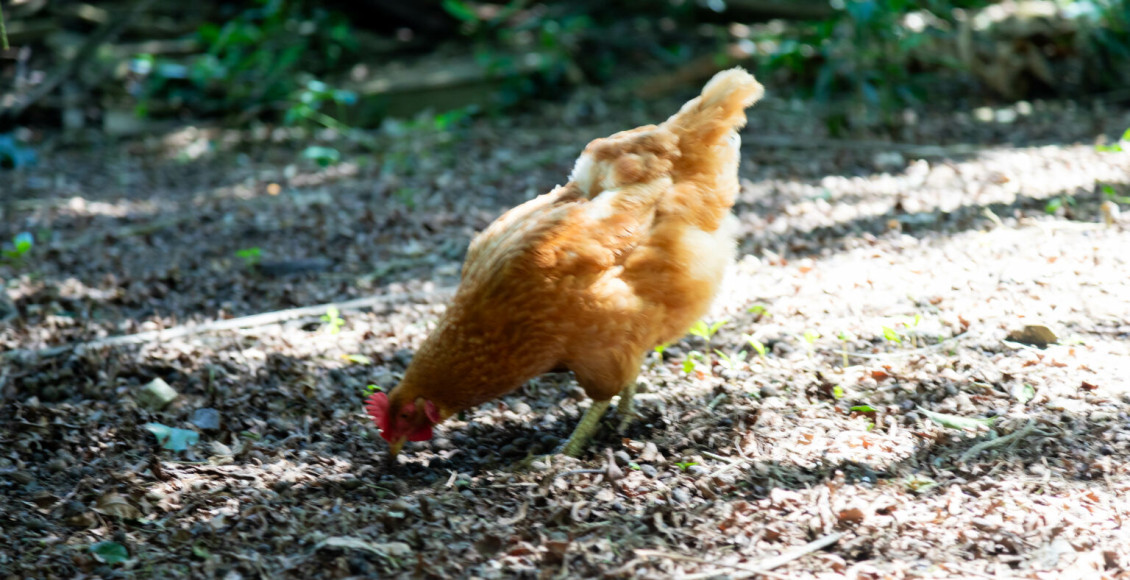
882, 282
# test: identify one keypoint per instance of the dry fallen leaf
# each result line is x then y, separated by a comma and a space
113, 504
1036, 335
851, 516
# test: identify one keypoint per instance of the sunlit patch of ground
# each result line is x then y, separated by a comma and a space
866, 380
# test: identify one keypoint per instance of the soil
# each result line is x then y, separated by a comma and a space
872, 383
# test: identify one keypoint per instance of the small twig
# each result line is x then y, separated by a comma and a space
3, 32
732, 463
577, 472
1020, 433
682, 558
761, 568
911, 352
717, 457
813, 546
255, 320
519, 516
729, 468
993, 217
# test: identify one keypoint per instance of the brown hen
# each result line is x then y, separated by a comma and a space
590, 276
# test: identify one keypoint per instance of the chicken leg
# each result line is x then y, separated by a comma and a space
585, 429
590, 421
625, 408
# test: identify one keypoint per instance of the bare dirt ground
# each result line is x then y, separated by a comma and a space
863, 389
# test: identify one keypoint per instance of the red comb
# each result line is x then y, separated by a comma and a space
377, 406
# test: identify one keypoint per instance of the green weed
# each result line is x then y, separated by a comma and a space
250, 256
333, 320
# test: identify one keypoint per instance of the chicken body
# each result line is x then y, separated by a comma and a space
590, 276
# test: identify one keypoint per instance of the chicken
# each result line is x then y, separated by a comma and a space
590, 276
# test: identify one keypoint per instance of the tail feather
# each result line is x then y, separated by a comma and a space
687, 166
705, 172
703, 122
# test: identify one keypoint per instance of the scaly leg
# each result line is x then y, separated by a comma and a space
625, 408
585, 429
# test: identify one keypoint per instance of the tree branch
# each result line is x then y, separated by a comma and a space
255, 320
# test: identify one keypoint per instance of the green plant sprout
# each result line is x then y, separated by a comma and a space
250, 256
1115, 147
1058, 202
756, 345
809, 338
309, 100
891, 336
689, 362
705, 331
758, 310
333, 320
661, 348
1109, 192
838, 392
21, 246
685, 465
732, 362
322, 156
912, 330
372, 389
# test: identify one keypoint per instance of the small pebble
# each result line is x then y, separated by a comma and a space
769, 391
649, 470
622, 458
680, 495
206, 419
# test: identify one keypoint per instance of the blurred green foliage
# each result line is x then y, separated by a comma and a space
258, 59
1106, 40
860, 57
865, 64
503, 36
873, 58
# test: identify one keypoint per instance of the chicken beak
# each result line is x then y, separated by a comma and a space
395, 445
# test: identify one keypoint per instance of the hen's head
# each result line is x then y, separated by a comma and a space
402, 421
